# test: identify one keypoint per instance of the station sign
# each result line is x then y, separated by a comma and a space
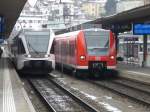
141, 29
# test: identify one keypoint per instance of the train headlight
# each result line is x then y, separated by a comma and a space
82, 57
27, 55
112, 57
47, 55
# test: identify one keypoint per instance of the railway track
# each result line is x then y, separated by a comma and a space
58, 98
130, 88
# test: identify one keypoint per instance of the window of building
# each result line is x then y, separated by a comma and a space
30, 21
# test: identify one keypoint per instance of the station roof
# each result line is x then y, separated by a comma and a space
139, 14
10, 10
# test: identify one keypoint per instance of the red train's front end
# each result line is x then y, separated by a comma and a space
96, 51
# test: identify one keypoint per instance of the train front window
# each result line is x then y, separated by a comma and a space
97, 41
37, 42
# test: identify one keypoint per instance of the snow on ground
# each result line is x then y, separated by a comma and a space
110, 107
62, 81
106, 105
89, 96
108, 97
75, 88
101, 97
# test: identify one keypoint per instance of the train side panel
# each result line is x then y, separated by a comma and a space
111, 63
81, 54
31, 50
88, 50
65, 52
72, 51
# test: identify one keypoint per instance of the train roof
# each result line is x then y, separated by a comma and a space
77, 32
33, 30
96, 29
69, 34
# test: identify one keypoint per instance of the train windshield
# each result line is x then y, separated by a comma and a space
97, 41
37, 41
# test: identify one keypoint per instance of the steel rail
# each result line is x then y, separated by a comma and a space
79, 100
139, 86
51, 107
74, 97
135, 81
128, 90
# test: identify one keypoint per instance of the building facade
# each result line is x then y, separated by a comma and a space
59, 14
124, 5
146, 2
93, 9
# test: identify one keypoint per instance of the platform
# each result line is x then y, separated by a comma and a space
13, 97
134, 72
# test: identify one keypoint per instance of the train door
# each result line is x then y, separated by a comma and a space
148, 53
52, 55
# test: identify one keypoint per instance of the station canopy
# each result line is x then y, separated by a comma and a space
10, 10
123, 19
139, 14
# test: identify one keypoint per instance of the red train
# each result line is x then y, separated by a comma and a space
86, 51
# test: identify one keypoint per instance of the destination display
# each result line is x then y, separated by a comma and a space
141, 29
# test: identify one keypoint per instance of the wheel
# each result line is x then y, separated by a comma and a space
97, 74
76, 73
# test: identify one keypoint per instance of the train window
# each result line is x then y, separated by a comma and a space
59, 47
73, 47
21, 49
148, 50
52, 48
56, 48
64, 51
97, 42
148, 37
70, 49
37, 41
62, 48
